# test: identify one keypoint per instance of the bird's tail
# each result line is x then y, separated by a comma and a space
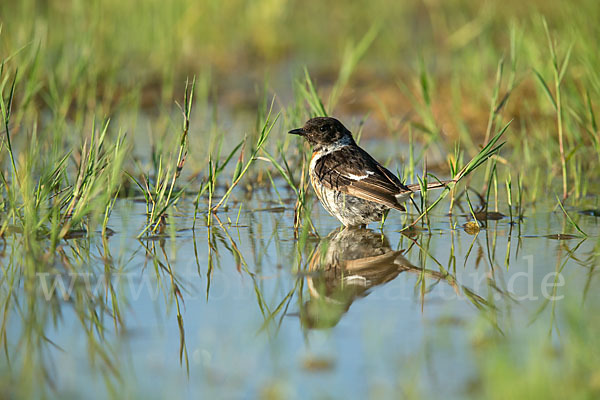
415, 187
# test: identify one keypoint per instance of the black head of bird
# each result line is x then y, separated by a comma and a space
323, 131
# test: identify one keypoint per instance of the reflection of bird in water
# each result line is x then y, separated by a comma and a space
344, 267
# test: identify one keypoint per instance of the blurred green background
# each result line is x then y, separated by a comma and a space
153, 45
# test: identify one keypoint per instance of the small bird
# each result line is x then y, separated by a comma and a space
350, 184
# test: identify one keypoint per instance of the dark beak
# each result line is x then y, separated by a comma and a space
298, 131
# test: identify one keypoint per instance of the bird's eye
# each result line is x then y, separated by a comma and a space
324, 128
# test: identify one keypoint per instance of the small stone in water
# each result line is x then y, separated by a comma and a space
471, 227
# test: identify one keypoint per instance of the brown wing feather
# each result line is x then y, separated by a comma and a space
339, 170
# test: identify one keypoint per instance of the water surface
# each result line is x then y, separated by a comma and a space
351, 313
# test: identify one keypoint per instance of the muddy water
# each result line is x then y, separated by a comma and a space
352, 313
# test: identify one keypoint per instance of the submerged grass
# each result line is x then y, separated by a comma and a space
162, 194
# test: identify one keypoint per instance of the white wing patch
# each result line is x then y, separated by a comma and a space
360, 177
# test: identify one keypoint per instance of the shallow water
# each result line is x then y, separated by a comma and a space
354, 313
